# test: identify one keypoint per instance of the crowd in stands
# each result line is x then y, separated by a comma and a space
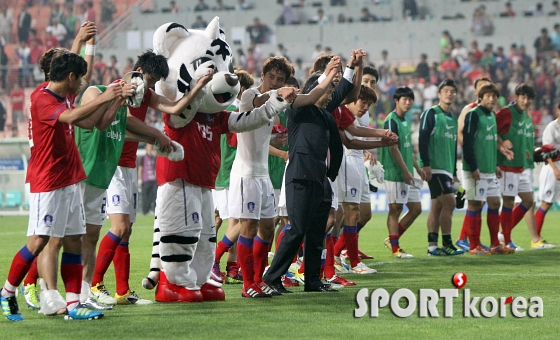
463, 61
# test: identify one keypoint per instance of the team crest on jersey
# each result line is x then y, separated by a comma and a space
48, 219
209, 118
353, 192
448, 184
548, 192
403, 193
510, 186
481, 191
251, 206
116, 199
195, 217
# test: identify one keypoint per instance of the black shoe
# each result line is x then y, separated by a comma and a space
279, 287
321, 289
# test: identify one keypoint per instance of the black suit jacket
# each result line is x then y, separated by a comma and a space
311, 132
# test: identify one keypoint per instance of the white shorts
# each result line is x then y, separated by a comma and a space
549, 186
282, 211
352, 181
334, 188
401, 193
366, 195
57, 213
122, 194
480, 190
251, 198
220, 196
95, 202
513, 183
184, 207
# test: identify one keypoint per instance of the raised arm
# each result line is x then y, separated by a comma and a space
356, 63
105, 114
259, 116
152, 134
82, 112
319, 90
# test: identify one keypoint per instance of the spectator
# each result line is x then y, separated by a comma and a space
287, 16
459, 52
514, 56
221, 7
113, 62
281, 51
299, 71
173, 7
24, 24
201, 6
6, 22
410, 9
422, 69
50, 40
501, 59
318, 51
69, 20
91, 14
17, 98
258, 32
338, 2
555, 37
430, 94
445, 44
147, 179
199, 23
509, 12
467, 65
543, 45
341, 18
108, 9
258, 59
367, 16
23, 52
242, 5
241, 61
36, 51
474, 49
526, 60
129, 66
58, 30
449, 64
3, 114
488, 57
384, 62
555, 9
100, 66
537, 10
320, 18
481, 24
3, 66
56, 13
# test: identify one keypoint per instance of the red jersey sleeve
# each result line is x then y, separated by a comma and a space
346, 118
503, 119
50, 110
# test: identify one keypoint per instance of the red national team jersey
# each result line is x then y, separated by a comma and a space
201, 141
128, 156
55, 162
343, 117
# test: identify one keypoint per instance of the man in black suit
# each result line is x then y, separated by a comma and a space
24, 24
314, 138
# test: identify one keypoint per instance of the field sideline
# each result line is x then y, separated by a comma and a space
306, 315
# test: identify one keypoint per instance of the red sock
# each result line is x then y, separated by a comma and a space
105, 255
505, 219
223, 247
335, 239
245, 259
470, 223
394, 239
401, 230
493, 220
539, 219
121, 262
71, 271
351, 240
329, 261
281, 235
20, 266
339, 245
478, 229
463, 235
517, 214
32, 274
260, 258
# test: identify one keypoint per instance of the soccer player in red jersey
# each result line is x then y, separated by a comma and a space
54, 173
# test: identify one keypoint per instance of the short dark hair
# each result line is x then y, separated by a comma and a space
310, 82
403, 91
321, 63
292, 81
489, 88
525, 89
447, 82
45, 61
280, 64
64, 63
372, 72
245, 79
481, 79
367, 94
152, 64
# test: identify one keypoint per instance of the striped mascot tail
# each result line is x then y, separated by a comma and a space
152, 279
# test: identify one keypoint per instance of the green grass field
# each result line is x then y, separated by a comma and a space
321, 316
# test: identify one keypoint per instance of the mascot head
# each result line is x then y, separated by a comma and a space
190, 54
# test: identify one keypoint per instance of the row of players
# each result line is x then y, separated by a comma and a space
53, 99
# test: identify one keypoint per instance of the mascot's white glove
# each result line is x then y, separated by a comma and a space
375, 171
137, 79
275, 104
177, 155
